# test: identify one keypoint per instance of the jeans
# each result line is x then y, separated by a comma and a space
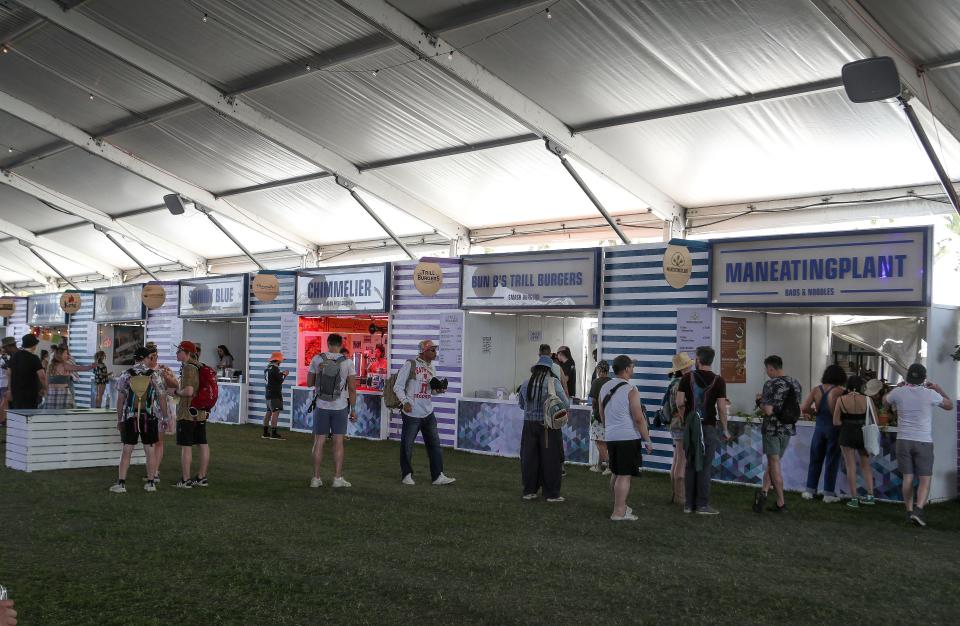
431, 440
698, 483
825, 445
541, 459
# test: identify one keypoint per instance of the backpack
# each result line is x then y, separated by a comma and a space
555, 415
390, 398
699, 393
790, 407
329, 382
668, 405
141, 397
206, 396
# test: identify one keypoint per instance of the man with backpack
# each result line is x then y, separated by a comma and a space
780, 403
140, 396
334, 379
702, 398
196, 394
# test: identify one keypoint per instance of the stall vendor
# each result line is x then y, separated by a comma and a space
378, 365
225, 359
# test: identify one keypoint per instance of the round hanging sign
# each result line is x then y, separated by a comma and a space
153, 295
8, 307
428, 278
265, 287
70, 302
677, 266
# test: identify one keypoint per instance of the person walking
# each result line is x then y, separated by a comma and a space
602, 375
780, 396
191, 423
701, 398
101, 376
274, 378
334, 379
416, 383
59, 379
825, 444
541, 459
914, 401
140, 394
850, 415
682, 365
28, 378
625, 424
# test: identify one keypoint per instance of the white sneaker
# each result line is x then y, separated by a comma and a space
607, 472
444, 480
557, 499
316, 482
806, 495
595, 468
529, 496
340, 482
628, 517
149, 487
408, 480
830, 499
117, 488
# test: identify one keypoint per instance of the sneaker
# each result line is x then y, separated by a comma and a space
830, 499
340, 482
917, 518
563, 472
853, 503
118, 488
184, 484
265, 435
708, 510
627, 517
687, 509
759, 501
316, 482
595, 468
868, 500
776, 508
408, 480
529, 496
557, 499
150, 486
807, 495
276, 436
607, 472
200, 482
443, 480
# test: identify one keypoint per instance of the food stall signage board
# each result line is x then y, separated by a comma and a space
8, 306
542, 280
119, 304
154, 295
222, 296
428, 278
265, 287
871, 268
70, 302
343, 290
44, 310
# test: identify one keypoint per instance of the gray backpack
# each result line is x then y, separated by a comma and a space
329, 382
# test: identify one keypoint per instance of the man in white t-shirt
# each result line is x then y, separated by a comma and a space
914, 402
334, 380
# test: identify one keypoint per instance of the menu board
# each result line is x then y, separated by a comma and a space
289, 328
450, 353
694, 329
733, 349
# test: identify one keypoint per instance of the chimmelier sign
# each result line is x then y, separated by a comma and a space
873, 268
344, 290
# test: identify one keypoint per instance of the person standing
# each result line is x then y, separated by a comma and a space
28, 378
825, 445
850, 415
191, 423
334, 379
541, 461
140, 391
701, 398
569, 367
59, 381
101, 376
274, 378
779, 392
224, 359
914, 401
7, 349
624, 424
546, 358
416, 384
164, 414
682, 365
597, 435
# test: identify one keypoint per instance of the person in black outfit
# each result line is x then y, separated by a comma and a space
569, 369
274, 378
28, 380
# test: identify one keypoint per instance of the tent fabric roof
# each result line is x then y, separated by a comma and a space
434, 136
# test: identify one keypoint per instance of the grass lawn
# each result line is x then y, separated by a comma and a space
260, 547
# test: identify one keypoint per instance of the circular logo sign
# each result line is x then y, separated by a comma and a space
153, 295
677, 266
428, 278
70, 302
265, 287
8, 307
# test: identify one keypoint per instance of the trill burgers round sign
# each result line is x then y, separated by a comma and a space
265, 287
428, 278
677, 266
153, 296
70, 302
8, 307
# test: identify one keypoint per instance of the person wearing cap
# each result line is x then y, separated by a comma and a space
601, 376
7, 349
28, 379
274, 378
682, 365
914, 401
414, 391
191, 425
138, 418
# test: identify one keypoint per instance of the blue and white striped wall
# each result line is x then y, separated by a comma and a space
416, 317
263, 337
79, 326
164, 328
639, 319
17, 323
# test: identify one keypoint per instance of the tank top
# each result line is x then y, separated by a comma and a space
824, 415
851, 417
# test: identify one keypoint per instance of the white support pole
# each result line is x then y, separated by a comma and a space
235, 108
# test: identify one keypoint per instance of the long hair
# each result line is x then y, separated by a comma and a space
100, 356
538, 374
226, 351
56, 357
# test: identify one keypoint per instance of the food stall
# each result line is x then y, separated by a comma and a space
514, 303
354, 302
119, 318
213, 311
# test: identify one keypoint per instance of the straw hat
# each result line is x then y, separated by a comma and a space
873, 387
681, 362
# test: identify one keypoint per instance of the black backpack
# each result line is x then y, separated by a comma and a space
790, 408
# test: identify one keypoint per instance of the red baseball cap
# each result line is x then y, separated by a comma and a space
187, 346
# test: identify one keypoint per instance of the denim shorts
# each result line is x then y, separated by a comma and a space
775, 444
330, 421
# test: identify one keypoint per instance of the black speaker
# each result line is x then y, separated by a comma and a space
174, 204
870, 80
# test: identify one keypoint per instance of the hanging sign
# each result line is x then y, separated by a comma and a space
553, 280
70, 302
119, 304
265, 287
733, 349
677, 266
44, 310
153, 295
428, 278
343, 290
220, 296
8, 306
871, 268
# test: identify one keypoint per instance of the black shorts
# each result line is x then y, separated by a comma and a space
191, 433
274, 404
147, 431
626, 457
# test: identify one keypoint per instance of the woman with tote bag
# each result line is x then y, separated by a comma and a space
855, 414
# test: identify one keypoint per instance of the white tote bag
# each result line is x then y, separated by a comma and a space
871, 432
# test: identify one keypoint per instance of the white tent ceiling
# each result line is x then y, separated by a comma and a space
435, 138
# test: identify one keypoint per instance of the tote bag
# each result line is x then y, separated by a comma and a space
871, 432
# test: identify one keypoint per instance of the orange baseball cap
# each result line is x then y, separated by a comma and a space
276, 356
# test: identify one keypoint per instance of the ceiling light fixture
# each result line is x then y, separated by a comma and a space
549, 14
205, 18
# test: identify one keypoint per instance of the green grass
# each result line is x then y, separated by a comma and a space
260, 547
